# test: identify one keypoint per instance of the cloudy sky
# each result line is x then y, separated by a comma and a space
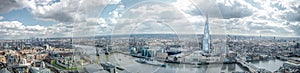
76, 18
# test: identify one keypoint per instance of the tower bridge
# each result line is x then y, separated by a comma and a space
251, 67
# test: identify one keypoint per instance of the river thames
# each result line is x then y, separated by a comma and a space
130, 65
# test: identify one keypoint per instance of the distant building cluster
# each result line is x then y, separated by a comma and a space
34, 56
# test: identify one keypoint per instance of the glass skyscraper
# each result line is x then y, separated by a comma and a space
206, 37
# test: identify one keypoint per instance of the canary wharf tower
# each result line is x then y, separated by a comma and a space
206, 37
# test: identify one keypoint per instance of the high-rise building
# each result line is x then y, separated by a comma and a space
206, 37
297, 45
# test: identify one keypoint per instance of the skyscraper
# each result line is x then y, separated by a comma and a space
206, 37
297, 45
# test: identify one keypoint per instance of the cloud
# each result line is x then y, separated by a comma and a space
295, 26
236, 8
186, 7
1, 17
69, 10
9, 5
286, 10
256, 17
234, 12
252, 26
15, 29
153, 17
81, 17
93, 27
114, 1
74, 18
59, 11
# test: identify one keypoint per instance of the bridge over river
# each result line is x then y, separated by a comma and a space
251, 67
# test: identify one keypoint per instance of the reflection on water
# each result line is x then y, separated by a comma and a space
271, 65
98, 59
107, 58
232, 68
129, 64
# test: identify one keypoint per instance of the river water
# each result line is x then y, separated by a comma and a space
271, 65
130, 65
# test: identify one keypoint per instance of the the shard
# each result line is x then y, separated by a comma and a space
206, 37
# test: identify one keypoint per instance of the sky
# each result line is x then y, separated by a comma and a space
22, 19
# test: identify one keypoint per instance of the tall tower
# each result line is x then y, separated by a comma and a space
98, 53
206, 37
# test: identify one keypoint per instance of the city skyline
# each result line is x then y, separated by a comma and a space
149, 36
55, 18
